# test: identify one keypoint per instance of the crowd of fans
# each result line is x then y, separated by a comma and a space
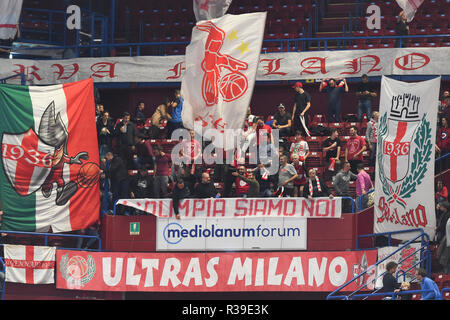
132, 143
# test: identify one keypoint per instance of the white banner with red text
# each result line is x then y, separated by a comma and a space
271, 67
404, 174
210, 272
321, 207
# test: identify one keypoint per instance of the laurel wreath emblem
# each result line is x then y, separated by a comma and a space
396, 192
88, 277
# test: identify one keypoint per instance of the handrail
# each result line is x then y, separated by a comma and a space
281, 41
392, 294
47, 235
422, 235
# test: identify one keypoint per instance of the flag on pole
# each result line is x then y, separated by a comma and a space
221, 65
29, 264
404, 172
9, 18
409, 7
50, 161
210, 9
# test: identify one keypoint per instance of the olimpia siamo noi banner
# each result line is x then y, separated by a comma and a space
50, 163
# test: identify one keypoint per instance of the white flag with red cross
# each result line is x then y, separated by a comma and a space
404, 171
210, 9
221, 64
29, 264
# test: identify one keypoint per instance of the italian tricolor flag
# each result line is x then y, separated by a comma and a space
50, 160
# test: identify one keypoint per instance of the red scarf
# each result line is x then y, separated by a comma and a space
311, 186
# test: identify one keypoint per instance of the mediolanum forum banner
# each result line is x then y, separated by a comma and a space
404, 183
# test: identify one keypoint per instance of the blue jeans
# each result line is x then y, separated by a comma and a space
364, 106
334, 111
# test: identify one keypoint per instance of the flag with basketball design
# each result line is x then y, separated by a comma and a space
50, 162
221, 64
404, 172
30, 264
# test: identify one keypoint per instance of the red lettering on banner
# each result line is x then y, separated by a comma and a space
184, 205
199, 205
220, 211
313, 65
356, 64
310, 208
413, 218
293, 207
259, 210
278, 205
238, 201
412, 61
103, 69
177, 71
318, 206
27, 72
150, 206
62, 69
272, 67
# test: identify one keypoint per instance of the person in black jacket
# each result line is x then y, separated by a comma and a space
315, 187
115, 170
141, 186
390, 284
105, 131
206, 188
180, 192
126, 139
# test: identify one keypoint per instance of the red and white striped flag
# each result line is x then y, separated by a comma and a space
9, 17
29, 264
210, 9
409, 7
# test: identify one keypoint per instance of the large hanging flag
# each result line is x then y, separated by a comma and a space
404, 183
221, 64
9, 18
30, 264
49, 169
210, 9
409, 7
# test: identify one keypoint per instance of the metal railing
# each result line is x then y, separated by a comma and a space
424, 262
2, 279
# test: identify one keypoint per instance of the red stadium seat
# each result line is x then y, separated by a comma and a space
314, 160
314, 143
318, 118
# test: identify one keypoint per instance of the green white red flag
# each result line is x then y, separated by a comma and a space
49, 169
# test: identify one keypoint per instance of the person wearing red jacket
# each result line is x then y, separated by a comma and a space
241, 186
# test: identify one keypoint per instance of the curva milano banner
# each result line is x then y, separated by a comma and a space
321, 207
271, 66
404, 193
213, 272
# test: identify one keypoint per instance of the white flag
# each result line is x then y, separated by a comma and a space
409, 7
221, 64
210, 9
9, 18
404, 172
29, 264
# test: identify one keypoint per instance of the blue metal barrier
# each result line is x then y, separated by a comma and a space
424, 257
23, 80
58, 235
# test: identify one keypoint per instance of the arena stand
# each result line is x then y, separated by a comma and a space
133, 28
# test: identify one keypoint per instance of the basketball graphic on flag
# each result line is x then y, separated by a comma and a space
88, 175
233, 86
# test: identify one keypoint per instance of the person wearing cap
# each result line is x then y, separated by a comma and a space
282, 121
302, 103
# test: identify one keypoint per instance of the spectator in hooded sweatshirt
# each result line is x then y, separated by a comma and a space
363, 185
341, 183
428, 284
177, 107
